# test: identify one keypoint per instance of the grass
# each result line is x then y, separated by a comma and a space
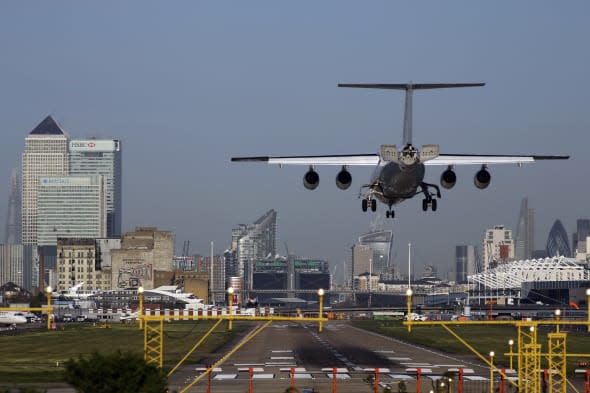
483, 338
39, 356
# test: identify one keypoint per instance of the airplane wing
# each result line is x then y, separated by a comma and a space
350, 160
473, 159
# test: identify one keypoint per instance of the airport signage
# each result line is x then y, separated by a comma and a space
93, 145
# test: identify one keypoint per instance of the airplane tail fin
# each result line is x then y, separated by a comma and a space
409, 88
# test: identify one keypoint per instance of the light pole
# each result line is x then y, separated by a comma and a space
557, 315
49, 308
321, 314
588, 306
492, 371
230, 292
409, 301
511, 343
140, 312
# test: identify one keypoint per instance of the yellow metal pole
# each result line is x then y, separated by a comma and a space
49, 308
321, 314
140, 293
511, 343
557, 315
409, 300
492, 371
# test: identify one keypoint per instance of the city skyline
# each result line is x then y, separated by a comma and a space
241, 80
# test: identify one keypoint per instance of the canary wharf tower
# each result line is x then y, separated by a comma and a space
91, 157
46, 154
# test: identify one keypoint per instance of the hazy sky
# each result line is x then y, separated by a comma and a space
187, 85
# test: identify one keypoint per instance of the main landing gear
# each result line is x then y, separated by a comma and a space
369, 202
429, 200
390, 213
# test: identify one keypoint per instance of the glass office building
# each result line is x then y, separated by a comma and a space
101, 157
70, 207
380, 244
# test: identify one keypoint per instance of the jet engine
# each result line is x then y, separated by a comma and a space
343, 179
482, 178
311, 180
448, 178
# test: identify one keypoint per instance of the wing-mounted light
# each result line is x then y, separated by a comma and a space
311, 180
448, 178
429, 152
343, 178
388, 153
482, 178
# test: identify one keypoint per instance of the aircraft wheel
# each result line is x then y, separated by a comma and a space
374, 205
433, 207
424, 204
364, 205
391, 214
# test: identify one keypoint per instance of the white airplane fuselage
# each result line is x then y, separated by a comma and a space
395, 183
12, 318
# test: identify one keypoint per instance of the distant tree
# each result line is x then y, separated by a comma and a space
122, 372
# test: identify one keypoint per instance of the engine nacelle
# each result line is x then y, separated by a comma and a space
482, 179
311, 180
343, 179
448, 178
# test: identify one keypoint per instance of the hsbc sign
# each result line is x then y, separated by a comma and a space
93, 145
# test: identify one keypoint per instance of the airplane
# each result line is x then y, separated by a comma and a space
73, 293
12, 318
399, 174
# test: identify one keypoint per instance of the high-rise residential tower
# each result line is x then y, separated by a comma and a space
579, 238
46, 154
12, 231
101, 157
525, 232
497, 246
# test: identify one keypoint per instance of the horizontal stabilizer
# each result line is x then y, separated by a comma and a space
408, 86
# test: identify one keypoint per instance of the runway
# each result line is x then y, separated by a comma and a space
355, 354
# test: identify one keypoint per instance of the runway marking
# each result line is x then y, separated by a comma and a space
254, 369
297, 369
338, 369
331, 349
475, 378
302, 376
422, 370
383, 351
248, 364
282, 351
279, 364
399, 358
381, 369
401, 376
282, 358
214, 370
225, 376
263, 376
338, 376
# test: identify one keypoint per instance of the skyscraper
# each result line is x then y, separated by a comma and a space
12, 231
579, 238
558, 242
380, 244
70, 207
525, 232
46, 154
497, 246
464, 262
101, 157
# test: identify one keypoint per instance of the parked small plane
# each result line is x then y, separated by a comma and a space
399, 174
10, 318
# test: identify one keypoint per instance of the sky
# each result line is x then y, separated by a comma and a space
188, 84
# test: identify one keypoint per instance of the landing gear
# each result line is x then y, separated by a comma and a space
429, 200
365, 203
390, 213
